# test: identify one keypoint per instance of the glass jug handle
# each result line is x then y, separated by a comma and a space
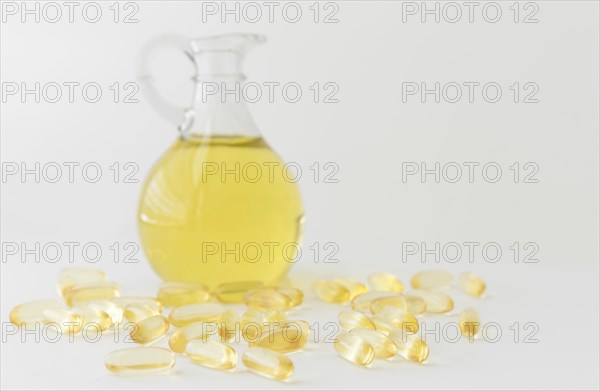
182, 117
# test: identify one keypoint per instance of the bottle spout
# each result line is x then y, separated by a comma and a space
222, 55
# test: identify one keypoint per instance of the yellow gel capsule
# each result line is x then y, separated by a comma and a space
81, 294
137, 312
140, 360
69, 277
410, 346
383, 345
331, 292
229, 325
392, 318
191, 313
353, 319
471, 284
296, 295
151, 302
115, 312
92, 317
268, 363
32, 312
437, 302
176, 294
415, 305
275, 316
354, 348
469, 322
212, 354
385, 282
190, 332
66, 321
432, 279
388, 301
264, 299
149, 329
289, 337
383, 323
354, 287
251, 324
233, 292
363, 302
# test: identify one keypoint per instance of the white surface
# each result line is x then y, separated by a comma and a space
369, 53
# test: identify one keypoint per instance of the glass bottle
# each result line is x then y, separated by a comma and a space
218, 207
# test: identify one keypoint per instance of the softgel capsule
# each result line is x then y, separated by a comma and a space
268, 363
354, 348
379, 324
140, 360
211, 354
205, 312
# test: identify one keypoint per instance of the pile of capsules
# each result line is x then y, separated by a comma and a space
380, 323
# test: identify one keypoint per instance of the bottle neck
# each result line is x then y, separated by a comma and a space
219, 108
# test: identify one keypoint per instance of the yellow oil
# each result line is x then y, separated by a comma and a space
220, 209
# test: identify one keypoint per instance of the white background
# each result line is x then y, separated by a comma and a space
369, 213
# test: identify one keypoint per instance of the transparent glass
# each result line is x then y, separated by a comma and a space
218, 206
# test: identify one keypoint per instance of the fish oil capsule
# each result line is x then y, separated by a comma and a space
353, 319
275, 316
384, 347
92, 317
469, 322
203, 312
383, 323
268, 363
176, 294
256, 319
69, 277
296, 295
264, 299
190, 332
140, 360
471, 284
149, 329
211, 354
388, 301
354, 287
354, 348
401, 319
251, 324
81, 294
151, 302
415, 305
233, 292
108, 307
331, 292
410, 346
67, 322
289, 337
385, 282
391, 318
363, 302
229, 325
437, 302
138, 312
32, 312
432, 279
